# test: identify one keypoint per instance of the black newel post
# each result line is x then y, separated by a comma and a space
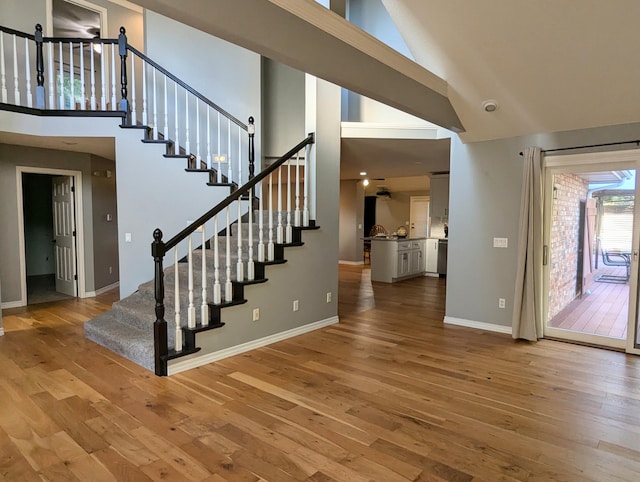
122, 50
160, 344
39, 68
251, 129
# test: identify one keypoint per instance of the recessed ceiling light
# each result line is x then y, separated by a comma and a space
365, 182
363, 173
490, 105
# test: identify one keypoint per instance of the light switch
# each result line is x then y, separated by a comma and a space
109, 217
127, 237
500, 242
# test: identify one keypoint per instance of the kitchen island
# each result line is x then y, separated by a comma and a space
394, 259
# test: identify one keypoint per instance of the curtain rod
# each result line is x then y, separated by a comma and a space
589, 147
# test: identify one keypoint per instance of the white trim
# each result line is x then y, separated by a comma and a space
12, 304
566, 160
1, 331
364, 130
79, 221
479, 325
354, 263
129, 5
591, 339
250, 345
100, 291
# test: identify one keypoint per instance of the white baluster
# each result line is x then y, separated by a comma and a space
191, 313
296, 216
3, 71
219, 153
307, 180
229, 169
155, 104
204, 307
82, 90
228, 287
16, 87
61, 104
270, 245
72, 81
260, 228
114, 105
177, 304
289, 228
239, 155
187, 145
239, 264
217, 296
52, 95
134, 109
104, 91
176, 117
166, 109
280, 228
93, 78
208, 139
145, 113
198, 158
251, 271
27, 70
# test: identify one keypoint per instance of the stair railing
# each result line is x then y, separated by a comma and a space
108, 75
218, 272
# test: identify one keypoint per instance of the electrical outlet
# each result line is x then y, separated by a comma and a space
329, 297
500, 242
110, 270
296, 305
256, 314
127, 237
501, 303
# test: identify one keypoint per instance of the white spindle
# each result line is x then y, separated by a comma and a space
27, 70
280, 228
145, 114
93, 78
229, 169
187, 144
239, 264
82, 90
191, 312
260, 228
251, 272
166, 109
219, 153
61, 75
176, 117
208, 139
296, 216
239, 155
16, 87
204, 307
3, 71
307, 180
104, 91
134, 114
198, 158
114, 106
289, 228
217, 296
72, 81
228, 286
52, 95
155, 104
178, 347
270, 245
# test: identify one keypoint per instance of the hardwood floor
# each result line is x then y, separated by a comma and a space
389, 394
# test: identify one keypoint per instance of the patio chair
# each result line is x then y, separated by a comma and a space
615, 258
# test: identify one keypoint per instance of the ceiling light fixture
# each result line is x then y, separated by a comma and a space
365, 182
490, 105
363, 173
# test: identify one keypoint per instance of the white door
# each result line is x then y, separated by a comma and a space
64, 234
419, 216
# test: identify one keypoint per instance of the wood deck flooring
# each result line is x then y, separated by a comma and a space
389, 394
605, 311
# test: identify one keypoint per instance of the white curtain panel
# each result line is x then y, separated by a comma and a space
527, 306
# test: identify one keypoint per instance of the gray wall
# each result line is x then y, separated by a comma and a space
351, 220
484, 202
22, 14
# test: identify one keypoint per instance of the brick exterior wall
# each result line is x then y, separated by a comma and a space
564, 242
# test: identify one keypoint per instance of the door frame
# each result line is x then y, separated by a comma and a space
589, 162
102, 11
79, 226
411, 212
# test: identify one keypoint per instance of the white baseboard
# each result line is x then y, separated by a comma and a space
432, 275
12, 304
250, 345
1, 331
480, 325
104, 289
355, 263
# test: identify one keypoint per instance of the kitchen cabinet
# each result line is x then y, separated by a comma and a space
395, 259
431, 255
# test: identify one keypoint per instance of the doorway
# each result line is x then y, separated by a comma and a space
590, 248
419, 216
51, 242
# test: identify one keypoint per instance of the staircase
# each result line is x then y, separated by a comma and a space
249, 230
